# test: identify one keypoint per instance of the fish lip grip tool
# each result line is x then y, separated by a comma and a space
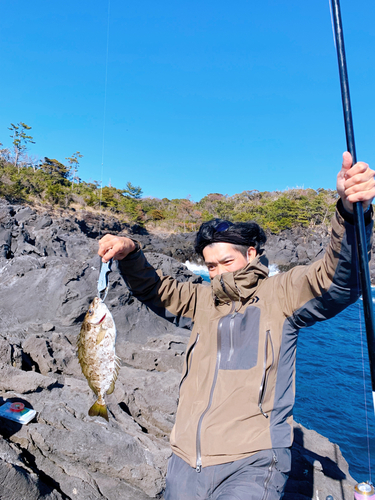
103, 282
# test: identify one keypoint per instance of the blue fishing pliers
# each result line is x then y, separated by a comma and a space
103, 282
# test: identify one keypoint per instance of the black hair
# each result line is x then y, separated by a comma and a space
247, 234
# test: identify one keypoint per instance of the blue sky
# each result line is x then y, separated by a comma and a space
201, 96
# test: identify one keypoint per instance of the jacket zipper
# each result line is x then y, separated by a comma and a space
263, 385
218, 358
231, 328
189, 359
269, 475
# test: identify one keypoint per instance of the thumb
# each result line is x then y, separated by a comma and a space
347, 162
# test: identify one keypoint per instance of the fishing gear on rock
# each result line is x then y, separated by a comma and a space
364, 491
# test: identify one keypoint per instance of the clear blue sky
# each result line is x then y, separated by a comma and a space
202, 96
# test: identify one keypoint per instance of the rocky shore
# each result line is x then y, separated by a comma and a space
48, 274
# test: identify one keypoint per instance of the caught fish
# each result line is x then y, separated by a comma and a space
96, 354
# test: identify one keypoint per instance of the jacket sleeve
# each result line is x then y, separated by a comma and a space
164, 295
326, 287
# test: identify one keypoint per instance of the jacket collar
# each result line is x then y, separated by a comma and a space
240, 285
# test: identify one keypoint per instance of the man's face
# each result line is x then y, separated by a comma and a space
224, 258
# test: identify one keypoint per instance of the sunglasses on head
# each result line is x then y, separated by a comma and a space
223, 226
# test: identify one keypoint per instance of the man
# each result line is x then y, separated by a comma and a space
233, 429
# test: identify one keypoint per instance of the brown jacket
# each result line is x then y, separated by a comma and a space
237, 387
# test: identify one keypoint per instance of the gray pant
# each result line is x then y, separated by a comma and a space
259, 477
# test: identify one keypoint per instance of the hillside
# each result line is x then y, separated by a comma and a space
52, 184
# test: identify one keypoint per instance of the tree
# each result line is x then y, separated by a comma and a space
109, 197
20, 140
73, 164
157, 214
134, 192
5, 154
59, 173
32, 161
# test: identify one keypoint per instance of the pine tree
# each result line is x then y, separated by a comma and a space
20, 140
73, 163
134, 192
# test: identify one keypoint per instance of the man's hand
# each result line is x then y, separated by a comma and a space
356, 183
115, 247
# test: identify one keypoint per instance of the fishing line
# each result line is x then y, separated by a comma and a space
358, 284
364, 390
104, 119
363, 370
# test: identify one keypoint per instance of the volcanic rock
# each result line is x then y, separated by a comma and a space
48, 272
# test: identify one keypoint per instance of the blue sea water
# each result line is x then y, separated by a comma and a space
330, 396
330, 378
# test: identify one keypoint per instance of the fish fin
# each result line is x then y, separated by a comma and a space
101, 335
112, 386
92, 387
81, 355
98, 410
117, 368
81, 334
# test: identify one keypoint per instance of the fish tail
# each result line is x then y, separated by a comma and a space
98, 409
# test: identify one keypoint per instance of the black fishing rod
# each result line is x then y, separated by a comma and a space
359, 222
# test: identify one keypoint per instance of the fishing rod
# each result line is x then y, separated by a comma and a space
359, 223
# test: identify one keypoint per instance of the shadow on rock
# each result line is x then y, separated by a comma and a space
317, 475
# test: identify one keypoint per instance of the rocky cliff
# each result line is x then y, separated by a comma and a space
48, 274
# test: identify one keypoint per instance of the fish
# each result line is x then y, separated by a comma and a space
96, 354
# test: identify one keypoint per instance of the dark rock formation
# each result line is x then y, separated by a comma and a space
48, 274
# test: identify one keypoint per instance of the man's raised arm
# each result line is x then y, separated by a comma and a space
323, 289
165, 295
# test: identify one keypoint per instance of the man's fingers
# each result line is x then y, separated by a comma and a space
355, 183
358, 169
361, 197
106, 237
115, 247
361, 193
105, 244
357, 188
360, 180
108, 255
108, 245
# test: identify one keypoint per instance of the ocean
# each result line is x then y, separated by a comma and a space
330, 380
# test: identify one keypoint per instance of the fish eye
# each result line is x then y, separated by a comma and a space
91, 311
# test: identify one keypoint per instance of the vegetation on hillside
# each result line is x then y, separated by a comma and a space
25, 179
